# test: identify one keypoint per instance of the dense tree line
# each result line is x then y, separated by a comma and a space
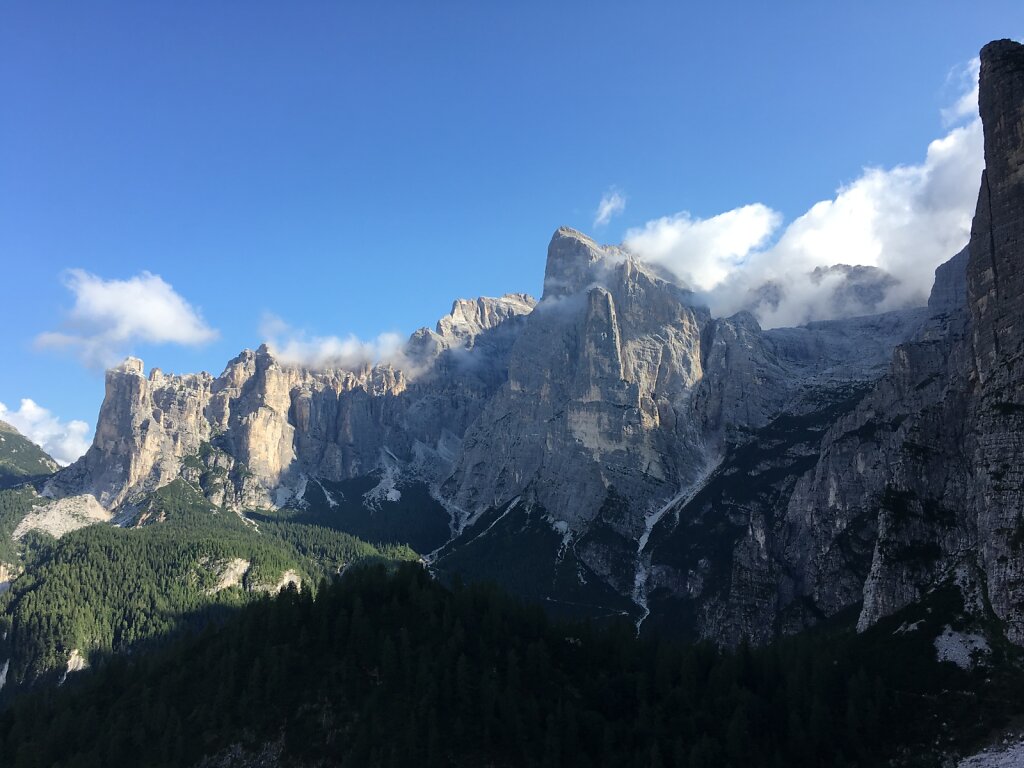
14, 505
109, 589
392, 669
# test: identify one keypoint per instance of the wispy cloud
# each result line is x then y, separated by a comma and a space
905, 220
612, 204
65, 441
965, 80
296, 347
109, 316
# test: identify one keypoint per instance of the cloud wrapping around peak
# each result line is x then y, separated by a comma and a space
704, 252
296, 347
612, 204
904, 220
65, 441
109, 316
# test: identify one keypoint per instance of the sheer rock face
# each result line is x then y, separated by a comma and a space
955, 483
597, 384
265, 423
995, 279
931, 460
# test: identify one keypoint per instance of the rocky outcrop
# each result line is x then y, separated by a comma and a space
246, 437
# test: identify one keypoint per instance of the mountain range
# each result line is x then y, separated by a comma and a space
613, 449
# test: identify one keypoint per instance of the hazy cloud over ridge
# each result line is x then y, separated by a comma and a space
905, 220
296, 347
109, 316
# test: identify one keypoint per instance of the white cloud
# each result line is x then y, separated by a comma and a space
905, 220
612, 204
351, 353
109, 316
965, 78
65, 441
704, 252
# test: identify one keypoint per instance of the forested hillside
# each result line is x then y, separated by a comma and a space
102, 588
21, 460
382, 669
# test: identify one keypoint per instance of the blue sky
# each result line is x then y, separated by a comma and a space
352, 168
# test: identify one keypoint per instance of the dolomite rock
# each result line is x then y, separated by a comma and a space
596, 383
730, 481
263, 424
995, 280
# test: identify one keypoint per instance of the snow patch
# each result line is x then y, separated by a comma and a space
1009, 756
561, 527
911, 627
386, 489
331, 501
3, 673
511, 505
651, 519
300, 490
959, 647
63, 516
283, 495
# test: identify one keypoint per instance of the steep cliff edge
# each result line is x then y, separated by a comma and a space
995, 280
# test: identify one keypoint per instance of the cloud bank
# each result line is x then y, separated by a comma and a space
704, 253
65, 441
904, 220
109, 316
612, 204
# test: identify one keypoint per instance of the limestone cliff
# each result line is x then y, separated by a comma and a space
883, 496
613, 448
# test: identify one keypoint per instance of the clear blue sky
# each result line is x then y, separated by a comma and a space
353, 167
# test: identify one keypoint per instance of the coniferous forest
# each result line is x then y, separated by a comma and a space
389, 668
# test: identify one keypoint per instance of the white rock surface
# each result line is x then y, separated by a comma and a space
1008, 756
59, 516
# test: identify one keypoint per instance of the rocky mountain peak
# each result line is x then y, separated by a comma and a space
574, 262
995, 280
132, 365
471, 317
